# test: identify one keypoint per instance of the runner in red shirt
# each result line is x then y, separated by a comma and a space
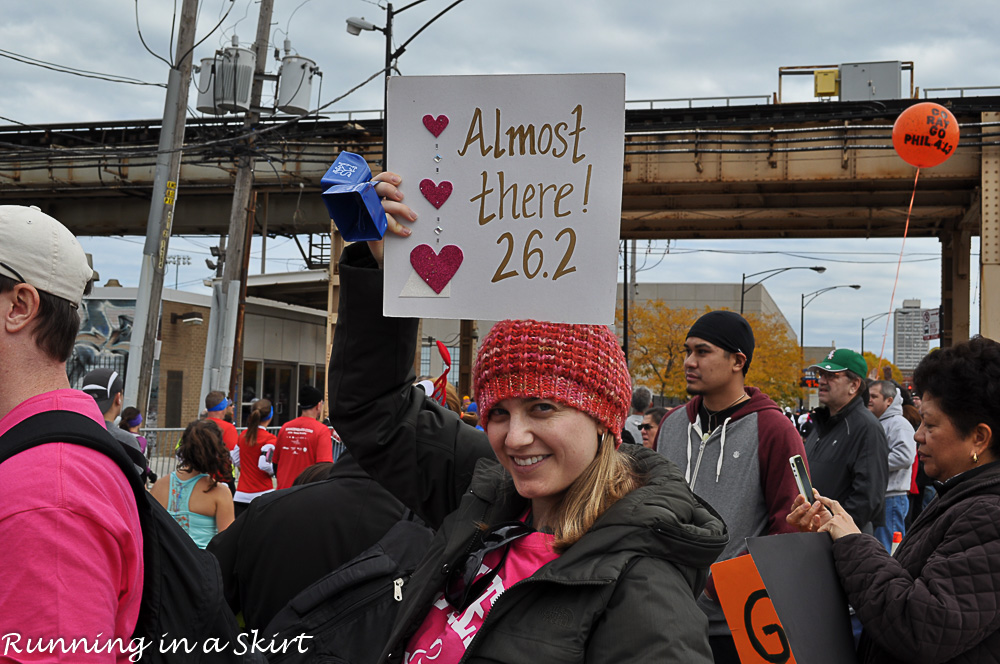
256, 447
220, 409
304, 440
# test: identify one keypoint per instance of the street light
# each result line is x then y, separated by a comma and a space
178, 260
802, 317
805, 303
355, 25
870, 319
744, 289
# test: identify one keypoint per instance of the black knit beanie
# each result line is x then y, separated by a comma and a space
727, 330
309, 396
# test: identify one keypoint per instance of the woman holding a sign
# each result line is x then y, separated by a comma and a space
553, 544
938, 598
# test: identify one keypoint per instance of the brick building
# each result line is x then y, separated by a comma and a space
284, 348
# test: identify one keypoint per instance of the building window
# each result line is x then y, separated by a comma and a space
431, 351
307, 375
249, 388
175, 399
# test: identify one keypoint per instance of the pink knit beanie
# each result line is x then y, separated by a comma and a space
579, 365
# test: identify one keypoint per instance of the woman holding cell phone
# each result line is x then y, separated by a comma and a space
553, 543
937, 599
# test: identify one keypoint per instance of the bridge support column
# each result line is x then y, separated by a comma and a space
955, 256
989, 253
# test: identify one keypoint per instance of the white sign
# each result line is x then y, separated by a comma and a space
931, 319
517, 184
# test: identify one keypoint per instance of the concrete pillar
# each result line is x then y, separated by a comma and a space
955, 256
989, 254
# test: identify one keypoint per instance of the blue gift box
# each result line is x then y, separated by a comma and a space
351, 200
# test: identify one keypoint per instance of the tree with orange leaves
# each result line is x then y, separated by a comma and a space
876, 368
776, 368
656, 345
656, 351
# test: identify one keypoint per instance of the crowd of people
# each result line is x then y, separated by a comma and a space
573, 519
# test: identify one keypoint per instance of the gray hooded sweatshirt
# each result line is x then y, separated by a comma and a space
902, 447
741, 469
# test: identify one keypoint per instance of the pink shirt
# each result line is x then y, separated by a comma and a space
446, 633
72, 546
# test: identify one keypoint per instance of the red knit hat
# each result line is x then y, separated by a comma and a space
579, 365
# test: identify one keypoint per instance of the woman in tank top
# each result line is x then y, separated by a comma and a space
192, 493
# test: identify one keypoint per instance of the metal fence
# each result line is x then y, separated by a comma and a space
974, 90
162, 446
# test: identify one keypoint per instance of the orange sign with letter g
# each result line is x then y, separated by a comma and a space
757, 632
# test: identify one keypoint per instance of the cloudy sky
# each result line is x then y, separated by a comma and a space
666, 49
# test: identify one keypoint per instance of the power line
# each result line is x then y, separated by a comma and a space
138, 29
232, 3
83, 73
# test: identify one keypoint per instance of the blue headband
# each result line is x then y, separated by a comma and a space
135, 421
222, 405
270, 416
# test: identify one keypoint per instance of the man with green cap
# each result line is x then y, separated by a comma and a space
847, 449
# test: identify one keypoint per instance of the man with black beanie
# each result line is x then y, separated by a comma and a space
304, 440
732, 443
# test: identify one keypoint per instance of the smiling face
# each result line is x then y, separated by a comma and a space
544, 444
944, 451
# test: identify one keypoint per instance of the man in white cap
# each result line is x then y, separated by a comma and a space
69, 525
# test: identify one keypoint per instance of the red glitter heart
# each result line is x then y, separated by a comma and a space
436, 125
437, 194
436, 269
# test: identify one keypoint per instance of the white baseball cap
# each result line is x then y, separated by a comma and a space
36, 249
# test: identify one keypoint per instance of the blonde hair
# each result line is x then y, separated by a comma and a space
451, 398
609, 478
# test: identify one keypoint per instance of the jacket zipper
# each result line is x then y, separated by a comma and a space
403, 641
505, 593
697, 462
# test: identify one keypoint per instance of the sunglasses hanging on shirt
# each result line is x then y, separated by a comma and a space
462, 587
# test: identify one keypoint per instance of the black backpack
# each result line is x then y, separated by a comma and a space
349, 613
182, 596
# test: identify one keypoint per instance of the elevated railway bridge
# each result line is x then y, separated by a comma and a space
810, 170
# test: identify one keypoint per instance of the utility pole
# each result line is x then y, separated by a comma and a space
236, 374
226, 296
139, 373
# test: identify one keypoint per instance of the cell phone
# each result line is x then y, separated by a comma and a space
802, 477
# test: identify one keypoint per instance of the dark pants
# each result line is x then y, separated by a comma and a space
239, 508
724, 649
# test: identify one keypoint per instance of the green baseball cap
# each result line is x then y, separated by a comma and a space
844, 359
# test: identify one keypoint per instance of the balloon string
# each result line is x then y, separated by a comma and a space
906, 230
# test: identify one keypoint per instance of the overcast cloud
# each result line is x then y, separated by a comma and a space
666, 49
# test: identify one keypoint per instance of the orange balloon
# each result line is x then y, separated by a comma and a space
925, 134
